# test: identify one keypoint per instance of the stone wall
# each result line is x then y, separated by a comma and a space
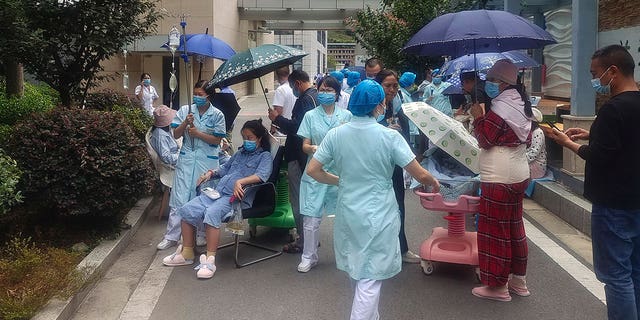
617, 14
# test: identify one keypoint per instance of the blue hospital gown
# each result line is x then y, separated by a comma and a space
242, 164
315, 197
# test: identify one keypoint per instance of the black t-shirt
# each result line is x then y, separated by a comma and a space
612, 169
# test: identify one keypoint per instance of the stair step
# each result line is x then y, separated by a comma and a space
565, 204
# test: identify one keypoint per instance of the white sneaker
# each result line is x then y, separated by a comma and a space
165, 244
201, 241
306, 265
206, 268
410, 257
176, 259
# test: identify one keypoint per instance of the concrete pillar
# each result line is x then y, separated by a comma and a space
584, 17
512, 6
571, 162
536, 73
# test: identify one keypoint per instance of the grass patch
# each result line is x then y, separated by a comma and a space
30, 276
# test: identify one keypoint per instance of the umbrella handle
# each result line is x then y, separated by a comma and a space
263, 92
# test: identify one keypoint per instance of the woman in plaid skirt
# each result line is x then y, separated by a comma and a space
503, 133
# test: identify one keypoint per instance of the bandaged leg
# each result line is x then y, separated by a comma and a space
311, 238
366, 300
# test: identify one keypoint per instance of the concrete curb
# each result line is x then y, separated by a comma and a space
96, 263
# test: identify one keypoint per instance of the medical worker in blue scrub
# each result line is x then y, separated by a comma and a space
367, 223
202, 126
318, 198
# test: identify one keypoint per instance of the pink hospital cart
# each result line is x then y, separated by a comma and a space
452, 244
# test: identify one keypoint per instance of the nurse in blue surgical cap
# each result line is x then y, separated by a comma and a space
343, 97
433, 94
367, 220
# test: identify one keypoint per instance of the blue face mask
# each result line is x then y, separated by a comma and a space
326, 98
296, 93
600, 89
492, 89
437, 81
199, 101
380, 118
146, 82
249, 145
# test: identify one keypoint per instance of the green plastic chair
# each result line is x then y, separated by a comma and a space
282, 216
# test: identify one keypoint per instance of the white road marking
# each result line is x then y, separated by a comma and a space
145, 297
566, 261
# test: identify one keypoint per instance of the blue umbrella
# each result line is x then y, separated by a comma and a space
465, 32
484, 61
206, 45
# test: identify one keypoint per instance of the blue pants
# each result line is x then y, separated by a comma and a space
616, 259
203, 209
398, 189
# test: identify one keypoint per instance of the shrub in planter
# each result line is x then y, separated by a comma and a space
80, 162
104, 100
137, 119
37, 98
5, 133
9, 177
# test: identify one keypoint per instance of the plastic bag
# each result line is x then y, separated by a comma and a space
236, 223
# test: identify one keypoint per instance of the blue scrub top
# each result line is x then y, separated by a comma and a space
317, 198
197, 157
367, 222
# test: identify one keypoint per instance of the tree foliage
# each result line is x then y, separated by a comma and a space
384, 31
63, 42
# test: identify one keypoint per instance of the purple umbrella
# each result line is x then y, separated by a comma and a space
466, 32
484, 61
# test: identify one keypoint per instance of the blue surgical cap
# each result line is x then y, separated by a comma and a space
407, 79
435, 72
338, 75
365, 97
353, 77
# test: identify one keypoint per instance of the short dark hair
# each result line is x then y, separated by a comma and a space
384, 73
615, 55
282, 72
144, 74
298, 75
260, 131
331, 82
202, 84
372, 62
469, 75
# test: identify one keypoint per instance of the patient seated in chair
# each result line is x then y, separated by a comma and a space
251, 164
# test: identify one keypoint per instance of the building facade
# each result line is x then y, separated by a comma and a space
219, 18
313, 42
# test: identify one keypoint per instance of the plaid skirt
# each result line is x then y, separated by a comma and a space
502, 243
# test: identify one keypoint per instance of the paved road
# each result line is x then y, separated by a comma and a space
274, 290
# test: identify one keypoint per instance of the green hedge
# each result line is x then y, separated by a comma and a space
37, 98
9, 177
80, 162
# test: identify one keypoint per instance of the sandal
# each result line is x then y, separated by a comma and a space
292, 247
